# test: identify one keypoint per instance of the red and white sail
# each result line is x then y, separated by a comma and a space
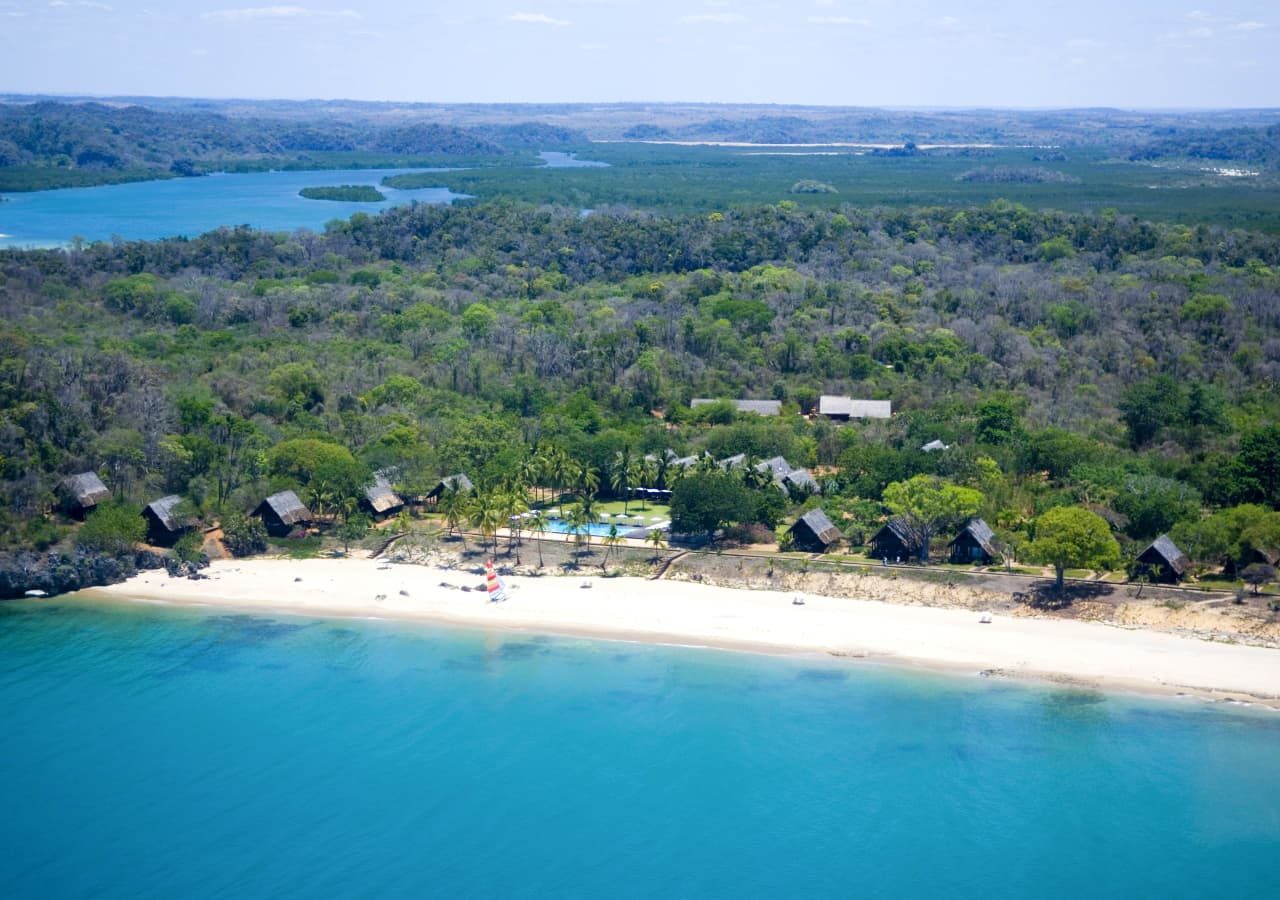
497, 590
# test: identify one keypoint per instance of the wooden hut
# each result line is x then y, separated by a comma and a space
282, 512
164, 524
976, 543
894, 541
81, 493
814, 532
460, 483
1162, 561
380, 499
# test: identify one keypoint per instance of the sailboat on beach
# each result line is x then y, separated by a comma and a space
494, 584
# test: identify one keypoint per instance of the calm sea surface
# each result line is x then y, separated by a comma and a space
189, 206
157, 752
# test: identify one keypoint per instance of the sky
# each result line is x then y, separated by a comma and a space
917, 53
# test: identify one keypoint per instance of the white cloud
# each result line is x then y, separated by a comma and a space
1248, 26
84, 4
537, 19
1201, 33
836, 20
945, 22
1084, 44
711, 19
255, 13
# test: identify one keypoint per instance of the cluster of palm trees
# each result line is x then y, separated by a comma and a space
549, 468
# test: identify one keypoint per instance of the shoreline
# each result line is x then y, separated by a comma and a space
1084, 655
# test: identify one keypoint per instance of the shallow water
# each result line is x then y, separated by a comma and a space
147, 210
172, 752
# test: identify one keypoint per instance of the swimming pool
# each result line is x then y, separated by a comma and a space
601, 529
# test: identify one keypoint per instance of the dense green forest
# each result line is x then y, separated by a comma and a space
1064, 359
348, 193
48, 145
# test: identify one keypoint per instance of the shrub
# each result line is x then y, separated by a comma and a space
244, 536
112, 528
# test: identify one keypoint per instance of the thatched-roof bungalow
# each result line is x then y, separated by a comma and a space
282, 512
460, 483
776, 466
801, 482
894, 541
842, 409
759, 407
164, 524
380, 499
976, 543
1162, 561
814, 532
81, 493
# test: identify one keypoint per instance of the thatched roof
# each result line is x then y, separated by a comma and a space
381, 497
759, 407
733, 462
981, 532
164, 510
86, 489
459, 482
287, 508
832, 405
776, 465
934, 446
1168, 551
818, 523
900, 530
685, 462
801, 480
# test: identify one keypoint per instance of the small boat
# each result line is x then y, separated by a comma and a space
985, 619
797, 600
497, 590
585, 584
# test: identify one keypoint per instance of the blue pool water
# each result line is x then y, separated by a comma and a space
597, 529
190, 206
147, 751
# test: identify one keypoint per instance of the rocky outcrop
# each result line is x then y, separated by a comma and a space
59, 573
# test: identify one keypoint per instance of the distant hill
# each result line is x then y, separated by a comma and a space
52, 144
1254, 146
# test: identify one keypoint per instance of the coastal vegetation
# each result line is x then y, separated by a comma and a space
1058, 360
347, 193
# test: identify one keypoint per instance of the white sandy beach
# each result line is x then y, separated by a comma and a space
766, 621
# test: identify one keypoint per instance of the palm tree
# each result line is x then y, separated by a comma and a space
588, 481
514, 503
647, 474
620, 475
577, 524
485, 514
611, 541
538, 525
527, 470
658, 539
561, 466
454, 506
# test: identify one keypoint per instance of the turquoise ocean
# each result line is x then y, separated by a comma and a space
148, 751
